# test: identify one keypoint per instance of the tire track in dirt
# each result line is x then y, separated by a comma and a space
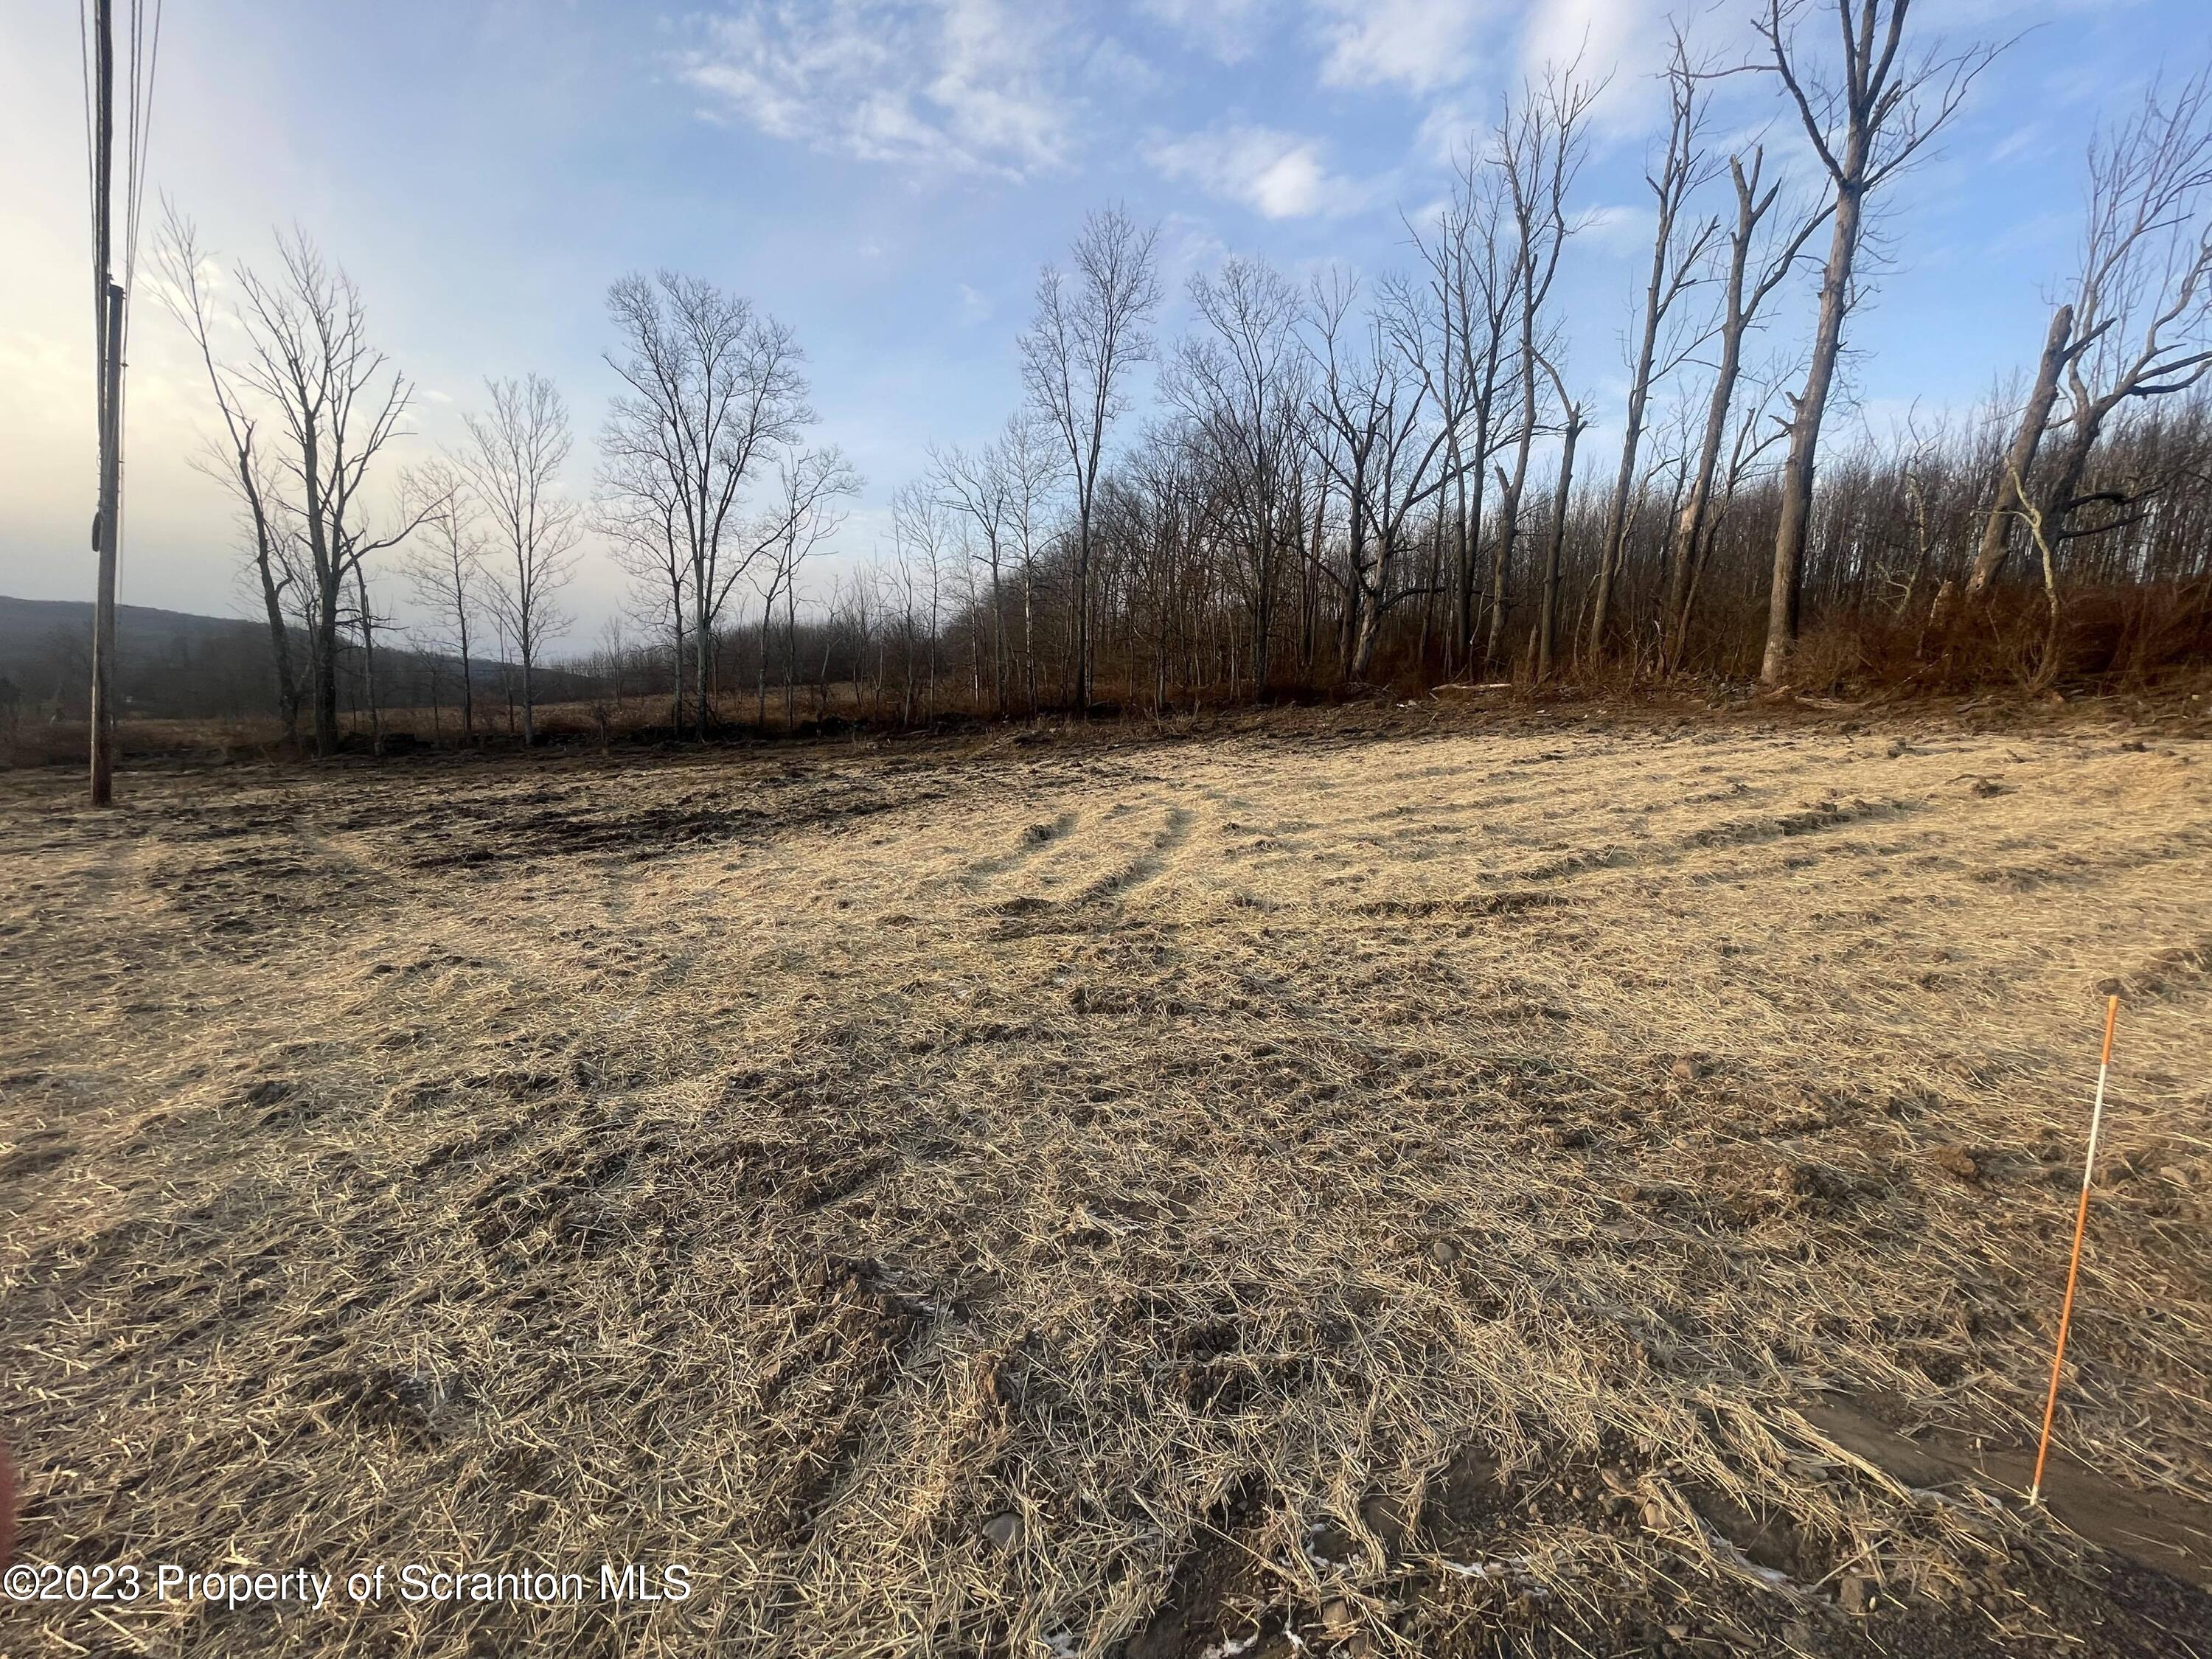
1033, 841
1721, 837
1172, 836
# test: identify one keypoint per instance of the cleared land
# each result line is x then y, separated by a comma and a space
1548, 1188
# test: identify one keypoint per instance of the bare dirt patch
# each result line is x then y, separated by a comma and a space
1404, 1193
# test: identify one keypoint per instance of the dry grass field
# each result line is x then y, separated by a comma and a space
1541, 1187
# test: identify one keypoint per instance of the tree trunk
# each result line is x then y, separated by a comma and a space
2057, 504
1690, 527
767, 615
529, 699
1083, 609
1029, 629
699, 645
280, 636
1348, 636
1501, 560
368, 662
1366, 632
1784, 595
676, 676
1639, 393
325, 667
1547, 626
468, 684
998, 634
2020, 459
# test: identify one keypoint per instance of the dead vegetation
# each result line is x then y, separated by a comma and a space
1542, 1188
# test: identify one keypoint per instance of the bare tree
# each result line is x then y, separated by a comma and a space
366, 619
715, 391
504, 635
513, 464
1572, 422
1090, 331
444, 568
1678, 253
338, 403
1541, 143
922, 538
860, 619
1469, 257
2138, 324
1374, 431
2047, 670
245, 470
1863, 130
1033, 471
809, 484
1241, 386
1760, 257
1755, 430
605, 668
637, 513
2058, 348
980, 487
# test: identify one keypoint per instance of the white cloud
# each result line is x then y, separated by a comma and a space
1279, 175
1229, 29
2050, 234
976, 306
1625, 37
976, 86
1188, 243
1619, 227
1428, 214
1419, 45
2019, 142
1625, 43
1448, 127
1111, 67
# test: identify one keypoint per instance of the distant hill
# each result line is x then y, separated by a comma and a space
25, 625
177, 665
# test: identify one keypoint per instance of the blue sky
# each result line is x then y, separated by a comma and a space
887, 176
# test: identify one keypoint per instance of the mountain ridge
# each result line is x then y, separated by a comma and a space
186, 665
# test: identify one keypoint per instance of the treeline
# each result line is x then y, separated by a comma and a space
1344, 483
1896, 532
1332, 483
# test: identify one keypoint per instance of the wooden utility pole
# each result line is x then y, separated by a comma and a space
110, 495
107, 333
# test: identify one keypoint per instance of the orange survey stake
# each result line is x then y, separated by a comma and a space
2074, 1266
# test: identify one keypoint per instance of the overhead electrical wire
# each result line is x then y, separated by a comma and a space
113, 272
141, 55
145, 54
145, 50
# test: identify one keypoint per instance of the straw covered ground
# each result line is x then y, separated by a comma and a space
1538, 1186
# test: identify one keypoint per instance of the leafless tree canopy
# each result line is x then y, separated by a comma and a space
2137, 324
1866, 118
309, 407
445, 570
1091, 329
714, 392
1341, 480
515, 454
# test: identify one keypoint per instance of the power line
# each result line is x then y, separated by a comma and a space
145, 54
